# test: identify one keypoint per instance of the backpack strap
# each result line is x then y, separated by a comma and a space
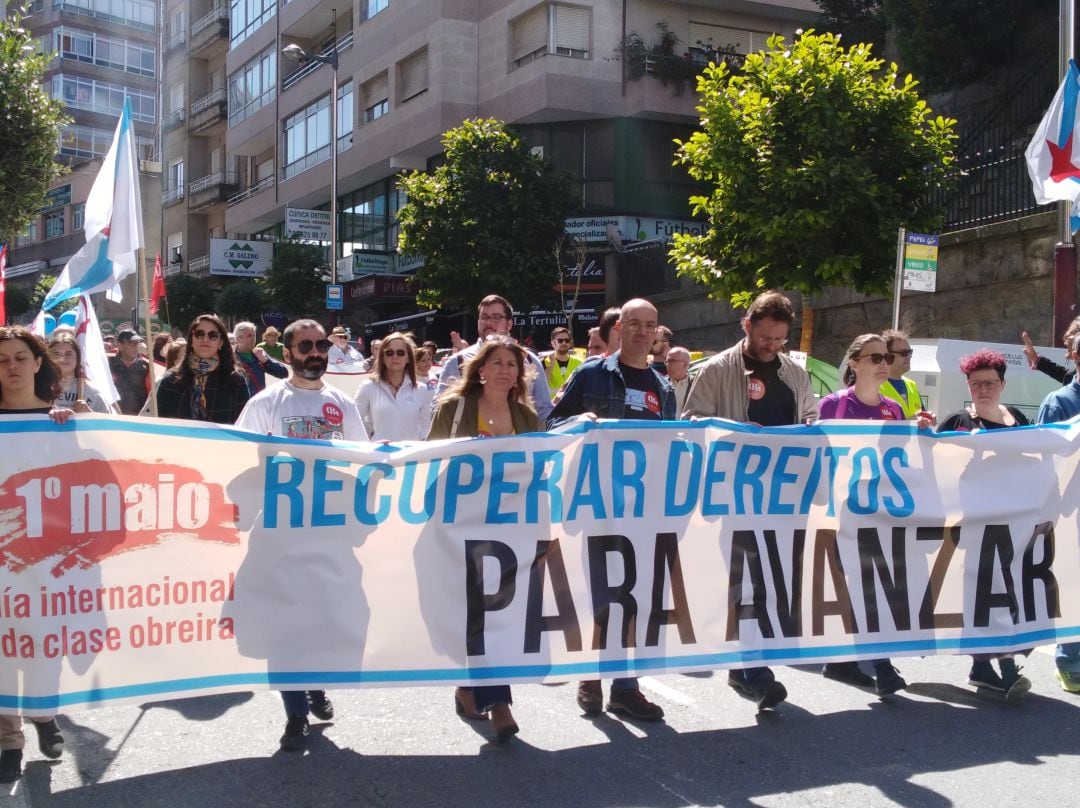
457, 416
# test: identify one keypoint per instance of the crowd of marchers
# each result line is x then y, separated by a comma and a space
630, 370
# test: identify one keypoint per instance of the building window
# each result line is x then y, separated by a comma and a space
705, 39
307, 133
550, 28
54, 224
373, 7
176, 175
136, 13
78, 217
246, 16
105, 51
413, 75
29, 235
87, 143
99, 96
376, 98
253, 86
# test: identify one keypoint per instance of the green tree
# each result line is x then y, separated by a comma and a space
814, 157
488, 220
16, 301
241, 299
296, 281
29, 127
187, 297
42, 287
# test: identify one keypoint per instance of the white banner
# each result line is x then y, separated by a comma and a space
167, 559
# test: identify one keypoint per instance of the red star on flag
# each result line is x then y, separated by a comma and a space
1062, 167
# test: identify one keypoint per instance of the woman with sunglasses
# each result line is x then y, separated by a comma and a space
76, 391
985, 371
867, 369
491, 398
29, 385
206, 386
394, 404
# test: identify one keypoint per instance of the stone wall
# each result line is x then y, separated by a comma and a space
993, 282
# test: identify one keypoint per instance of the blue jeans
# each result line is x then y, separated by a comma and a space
487, 696
1067, 657
753, 677
624, 684
296, 702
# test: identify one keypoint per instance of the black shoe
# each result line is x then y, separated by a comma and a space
49, 738
296, 734
888, 679
983, 676
766, 695
321, 707
847, 672
1012, 682
635, 705
590, 697
10, 765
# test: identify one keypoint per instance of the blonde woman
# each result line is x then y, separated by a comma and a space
394, 403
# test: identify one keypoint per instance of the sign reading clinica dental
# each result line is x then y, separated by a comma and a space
239, 257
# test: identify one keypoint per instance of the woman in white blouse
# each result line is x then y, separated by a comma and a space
393, 405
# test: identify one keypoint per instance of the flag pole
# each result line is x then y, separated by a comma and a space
149, 343
1065, 250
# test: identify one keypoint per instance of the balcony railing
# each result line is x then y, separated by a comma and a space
173, 119
200, 264
310, 66
217, 14
261, 185
172, 195
207, 101
212, 181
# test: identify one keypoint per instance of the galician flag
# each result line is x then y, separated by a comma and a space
1053, 156
113, 225
94, 359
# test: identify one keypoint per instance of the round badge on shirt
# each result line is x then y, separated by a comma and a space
887, 413
755, 388
333, 414
652, 401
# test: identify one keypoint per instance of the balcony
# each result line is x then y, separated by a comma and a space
208, 111
251, 190
173, 119
210, 33
198, 265
310, 66
172, 195
212, 189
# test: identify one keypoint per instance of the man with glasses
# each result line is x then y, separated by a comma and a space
304, 407
341, 352
660, 347
678, 373
256, 362
753, 381
494, 315
623, 386
899, 388
560, 364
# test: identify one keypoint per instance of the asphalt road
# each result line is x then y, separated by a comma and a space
937, 744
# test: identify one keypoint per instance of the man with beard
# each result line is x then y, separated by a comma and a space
755, 382
304, 407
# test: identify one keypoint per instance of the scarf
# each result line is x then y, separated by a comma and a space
201, 370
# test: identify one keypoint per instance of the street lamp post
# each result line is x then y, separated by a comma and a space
297, 53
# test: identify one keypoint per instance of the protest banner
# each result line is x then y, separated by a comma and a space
156, 559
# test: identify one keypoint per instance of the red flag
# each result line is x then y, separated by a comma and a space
158, 290
3, 282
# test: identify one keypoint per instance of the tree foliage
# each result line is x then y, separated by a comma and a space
814, 157
240, 300
296, 281
29, 127
187, 297
488, 220
947, 43
42, 287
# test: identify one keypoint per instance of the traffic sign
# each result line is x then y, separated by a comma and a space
335, 297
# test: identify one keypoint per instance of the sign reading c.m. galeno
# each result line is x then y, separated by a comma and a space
247, 259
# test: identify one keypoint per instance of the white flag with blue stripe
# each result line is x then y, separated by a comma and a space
113, 225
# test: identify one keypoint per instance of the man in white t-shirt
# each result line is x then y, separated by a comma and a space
303, 407
341, 352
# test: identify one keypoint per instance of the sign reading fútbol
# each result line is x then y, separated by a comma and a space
920, 262
309, 224
247, 259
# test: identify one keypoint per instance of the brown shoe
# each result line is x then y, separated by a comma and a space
635, 705
502, 721
465, 705
590, 697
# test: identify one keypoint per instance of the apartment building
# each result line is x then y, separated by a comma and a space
102, 51
411, 69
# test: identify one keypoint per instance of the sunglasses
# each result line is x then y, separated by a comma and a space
561, 339
213, 336
878, 358
305, 346
395, 352
906, 353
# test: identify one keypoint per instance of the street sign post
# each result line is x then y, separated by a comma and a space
335, 297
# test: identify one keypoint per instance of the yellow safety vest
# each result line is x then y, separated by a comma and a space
910, 402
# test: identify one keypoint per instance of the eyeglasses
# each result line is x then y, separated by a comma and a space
395, 352
779, 341
878, 358
987, 385
637, 325
492, 318
213, 336
904, 354
562, 339
305, 346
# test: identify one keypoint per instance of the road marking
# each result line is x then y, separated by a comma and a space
662, 690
